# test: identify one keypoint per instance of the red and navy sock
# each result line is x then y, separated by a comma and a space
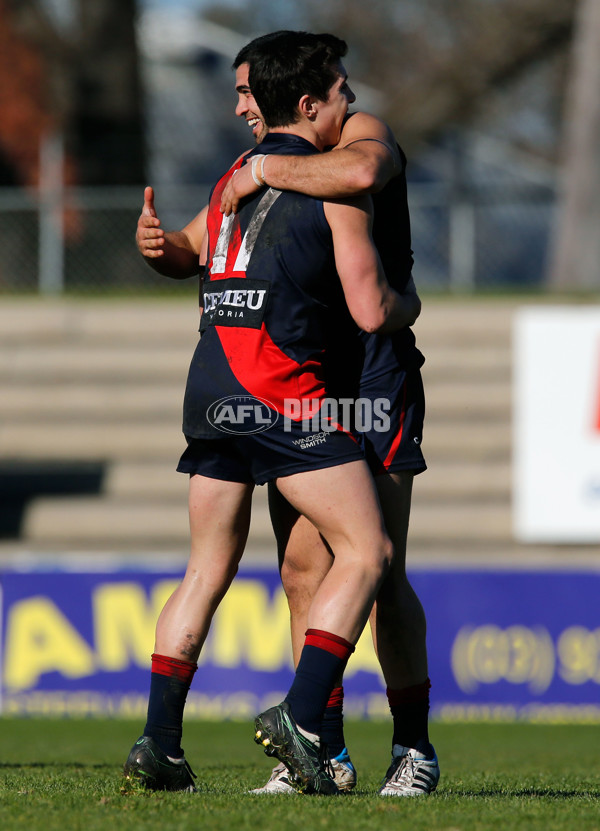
322, 661
169, 685
332, 726
410, 710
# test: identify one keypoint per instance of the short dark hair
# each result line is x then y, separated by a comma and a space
253, 50
286, 65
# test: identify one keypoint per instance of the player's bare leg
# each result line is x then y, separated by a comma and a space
398, 626
304, 560
219, 523
398, 621
341, 503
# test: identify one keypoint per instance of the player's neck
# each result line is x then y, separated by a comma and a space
301, 129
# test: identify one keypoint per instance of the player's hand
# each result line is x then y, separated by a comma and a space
411, 302
149, 237
241, 184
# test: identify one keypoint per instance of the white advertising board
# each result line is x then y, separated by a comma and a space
556, 439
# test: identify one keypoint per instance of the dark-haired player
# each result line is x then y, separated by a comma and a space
273, 289
367, 158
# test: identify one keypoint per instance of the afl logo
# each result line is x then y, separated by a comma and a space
242, 414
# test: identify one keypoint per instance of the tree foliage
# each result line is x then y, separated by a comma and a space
92, 83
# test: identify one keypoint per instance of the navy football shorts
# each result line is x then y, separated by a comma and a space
262, 457
399, 448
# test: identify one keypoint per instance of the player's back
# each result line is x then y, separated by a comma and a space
271, 292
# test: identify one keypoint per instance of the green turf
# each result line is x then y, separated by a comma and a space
66, 775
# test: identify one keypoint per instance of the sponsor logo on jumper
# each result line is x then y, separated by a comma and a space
244, 298
236, 301
361, 415
242, 414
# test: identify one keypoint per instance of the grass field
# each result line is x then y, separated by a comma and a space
66, 775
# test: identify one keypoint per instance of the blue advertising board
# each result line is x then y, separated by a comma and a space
503, 645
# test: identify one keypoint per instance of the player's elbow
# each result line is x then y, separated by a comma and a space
368, 177
389, 313
371, 320
413, 308
365, 179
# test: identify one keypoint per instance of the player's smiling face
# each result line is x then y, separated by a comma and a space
246, 105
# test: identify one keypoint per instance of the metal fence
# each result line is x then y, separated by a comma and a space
82, 240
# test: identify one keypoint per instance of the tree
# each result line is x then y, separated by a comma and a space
576, 260
93, 84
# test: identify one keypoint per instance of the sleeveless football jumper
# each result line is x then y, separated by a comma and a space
271, 301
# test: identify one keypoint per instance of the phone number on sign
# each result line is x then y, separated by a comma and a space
524, 655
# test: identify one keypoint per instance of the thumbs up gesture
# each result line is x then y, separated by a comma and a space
149, 236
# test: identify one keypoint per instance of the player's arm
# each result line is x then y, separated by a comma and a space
172, 253
364, 160
372, 302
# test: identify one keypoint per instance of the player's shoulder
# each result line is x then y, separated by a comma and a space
366, 129
365, 125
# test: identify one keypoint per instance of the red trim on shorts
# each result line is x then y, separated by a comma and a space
172, 667
398, 437
329, 642
409, 695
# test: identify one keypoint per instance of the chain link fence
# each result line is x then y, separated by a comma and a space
483, 239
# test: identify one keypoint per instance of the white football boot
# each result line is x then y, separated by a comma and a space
410, 774
344, 776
